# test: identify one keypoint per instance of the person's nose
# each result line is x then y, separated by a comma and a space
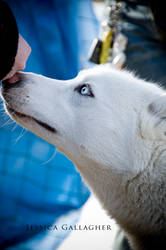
14, 81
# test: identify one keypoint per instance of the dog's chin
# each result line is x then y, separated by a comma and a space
24, 120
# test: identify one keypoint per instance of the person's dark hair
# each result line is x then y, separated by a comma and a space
8, 39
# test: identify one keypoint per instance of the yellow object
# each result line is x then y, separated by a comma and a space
105, 50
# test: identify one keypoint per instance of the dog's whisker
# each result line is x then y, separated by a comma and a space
51, 157
4, 115
15, 126
22, 133
8, 122
2, 109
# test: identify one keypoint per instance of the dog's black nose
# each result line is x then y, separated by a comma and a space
14, 81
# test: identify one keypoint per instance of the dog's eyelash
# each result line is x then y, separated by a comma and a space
79, 88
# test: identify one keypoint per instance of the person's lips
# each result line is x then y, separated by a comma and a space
15, 78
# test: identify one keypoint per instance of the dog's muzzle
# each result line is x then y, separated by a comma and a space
15, 96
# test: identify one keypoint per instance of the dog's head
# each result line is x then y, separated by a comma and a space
99, 115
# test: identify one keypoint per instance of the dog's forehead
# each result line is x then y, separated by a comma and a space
96, 75
102, 77
97, 70
111, 81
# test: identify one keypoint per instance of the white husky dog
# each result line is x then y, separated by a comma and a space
112, 125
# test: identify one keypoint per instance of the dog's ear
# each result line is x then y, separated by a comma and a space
153, 120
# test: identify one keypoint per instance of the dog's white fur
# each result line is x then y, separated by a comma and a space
117, 139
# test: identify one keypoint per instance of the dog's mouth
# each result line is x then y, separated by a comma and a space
42, 124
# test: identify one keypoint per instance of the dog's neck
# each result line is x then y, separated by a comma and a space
137, 204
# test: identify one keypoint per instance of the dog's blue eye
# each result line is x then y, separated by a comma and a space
84, 90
